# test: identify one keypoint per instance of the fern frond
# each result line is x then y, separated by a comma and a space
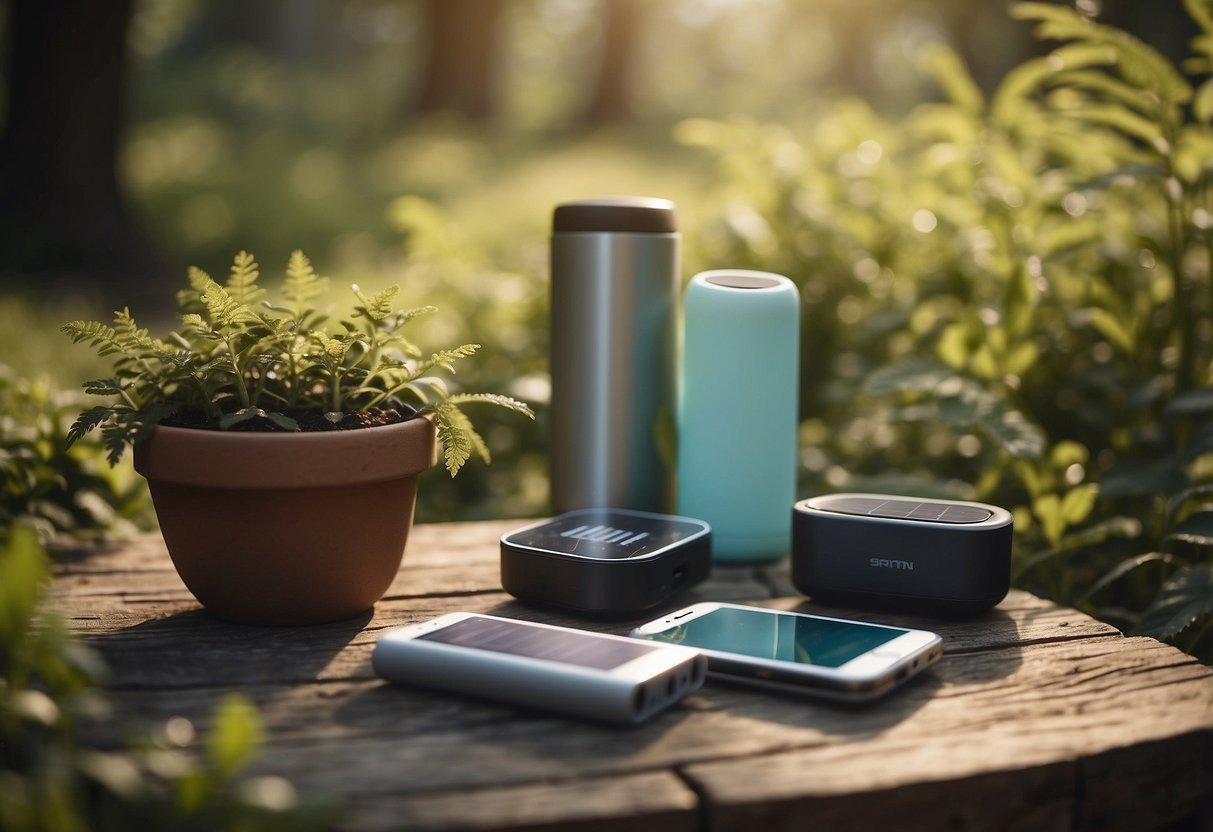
377, 307
302, 284
494, 398
115, 437
134, 340
459, 438
242, 280
103, 387
95, 333
223, 310
447, 358
86, 421
409, 314
198, 279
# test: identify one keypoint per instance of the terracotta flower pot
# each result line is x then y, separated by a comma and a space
278, 528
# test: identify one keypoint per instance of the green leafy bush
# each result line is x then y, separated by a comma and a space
240, 364
1010, 300
50, 781
57, 490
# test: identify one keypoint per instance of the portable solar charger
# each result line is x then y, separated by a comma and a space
605, 561
943, 558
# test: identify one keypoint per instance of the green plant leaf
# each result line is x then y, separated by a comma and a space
1122, 569
1011, 429
494, 398
223, 310
1077, 503
915, 375
103, 387
1202, 104
1186, 597
301, 284
242, 280
235, 737
949, 71
1107, 325
24, 572
455, 432
1047, 511
377, 307
1122, 120
1201, 11
1017, 302
1180, 501
1134, 478
1114, 528
446, 358
86, 421
1108, 86
1196, 530
246, 414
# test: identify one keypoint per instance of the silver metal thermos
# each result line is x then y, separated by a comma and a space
615, 264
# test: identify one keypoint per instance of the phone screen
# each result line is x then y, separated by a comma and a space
780, 636
520, 639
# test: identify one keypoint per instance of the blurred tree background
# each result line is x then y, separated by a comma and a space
999, 217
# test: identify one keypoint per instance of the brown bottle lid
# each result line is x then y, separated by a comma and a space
623, 214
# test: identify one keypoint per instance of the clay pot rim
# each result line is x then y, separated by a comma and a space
225, 459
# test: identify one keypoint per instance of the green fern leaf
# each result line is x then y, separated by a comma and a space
1201, 11
86, 421
97, 334
134, 340
1121, 119
446, 358
494, 398
1186, 597
409, 314
948, 70
115, 437
456, 434
103, 387
198, 279
302, 284
377, 307
1109, 87
223, 310
242, 281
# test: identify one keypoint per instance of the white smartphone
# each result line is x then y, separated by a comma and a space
576, 672
848, 661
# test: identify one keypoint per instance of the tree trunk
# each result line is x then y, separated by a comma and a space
460, 68
62, 214
612, 101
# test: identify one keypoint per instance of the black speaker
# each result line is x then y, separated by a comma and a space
605, 562
944, 558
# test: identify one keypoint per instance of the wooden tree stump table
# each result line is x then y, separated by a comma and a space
1038, 717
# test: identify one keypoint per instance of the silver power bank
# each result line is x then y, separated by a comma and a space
585, 674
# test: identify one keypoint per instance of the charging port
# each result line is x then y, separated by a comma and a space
680, 574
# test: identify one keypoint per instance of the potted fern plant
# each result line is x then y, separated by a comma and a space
282, 454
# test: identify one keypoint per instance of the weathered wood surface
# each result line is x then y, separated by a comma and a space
1038, 717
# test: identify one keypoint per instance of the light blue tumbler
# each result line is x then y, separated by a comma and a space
737, 413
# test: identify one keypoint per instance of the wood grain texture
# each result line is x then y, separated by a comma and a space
1037, 717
